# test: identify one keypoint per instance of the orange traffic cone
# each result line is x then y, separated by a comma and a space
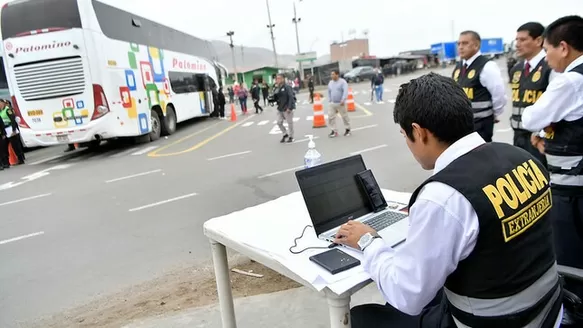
319, 119
12, 158
233, 113
350, 101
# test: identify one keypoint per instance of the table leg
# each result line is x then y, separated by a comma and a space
223, 284
339, 307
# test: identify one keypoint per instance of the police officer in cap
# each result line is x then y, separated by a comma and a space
12, 135
559, 111
482, 81
479, 227
529, 79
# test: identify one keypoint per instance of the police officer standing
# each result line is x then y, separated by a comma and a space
529, 79
482, 82
559, 111
12, 135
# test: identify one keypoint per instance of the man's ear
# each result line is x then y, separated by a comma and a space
419, 133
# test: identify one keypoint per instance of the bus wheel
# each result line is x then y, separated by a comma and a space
169, 126
156, 126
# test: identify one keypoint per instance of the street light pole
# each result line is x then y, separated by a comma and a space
230, 35
296, 20
270, 27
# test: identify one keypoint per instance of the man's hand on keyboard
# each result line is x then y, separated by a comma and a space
351, 232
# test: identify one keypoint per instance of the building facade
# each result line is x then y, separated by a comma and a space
348, 50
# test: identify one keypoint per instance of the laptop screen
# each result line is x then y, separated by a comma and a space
332, 193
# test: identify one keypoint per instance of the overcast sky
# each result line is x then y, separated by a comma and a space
393, 25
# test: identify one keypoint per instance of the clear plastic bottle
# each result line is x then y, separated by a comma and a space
312, 157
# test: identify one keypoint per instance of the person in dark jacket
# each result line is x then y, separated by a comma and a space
311, 88
11, 135
285, 108
215, 94
265, 92
256, 96
221, 103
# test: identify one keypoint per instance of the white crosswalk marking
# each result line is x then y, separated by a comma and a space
296, 119
263, 122
309, 118
124, 153
247, 124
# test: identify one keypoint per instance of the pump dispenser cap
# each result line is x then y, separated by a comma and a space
311, 144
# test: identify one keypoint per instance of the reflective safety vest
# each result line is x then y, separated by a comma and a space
477, 93
526, 89
5, 118
564, 152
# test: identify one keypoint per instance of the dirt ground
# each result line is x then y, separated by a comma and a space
171, 293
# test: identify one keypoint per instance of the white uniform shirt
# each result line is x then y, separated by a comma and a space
443, 231
563, 100
491, 79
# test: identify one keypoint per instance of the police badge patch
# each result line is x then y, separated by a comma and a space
516, 77
471, 74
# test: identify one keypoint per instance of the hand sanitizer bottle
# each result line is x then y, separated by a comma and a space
312, 157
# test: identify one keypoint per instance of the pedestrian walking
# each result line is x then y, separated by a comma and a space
222, 102
285, 108
337, 94
256, 96
11, 135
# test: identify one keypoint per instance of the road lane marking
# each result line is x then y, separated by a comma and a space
305, 139
504, 130
145, 150
2, 242
280, 172
366, 111
263, 122
47, 159
228, 155
124, 152
162, 202
156, 153
364, 127
133, 176
367, 150
247, 124
25, 199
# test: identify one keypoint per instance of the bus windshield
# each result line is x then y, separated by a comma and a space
22, 16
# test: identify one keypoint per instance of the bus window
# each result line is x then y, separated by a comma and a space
183, 82
23, 17
3, 79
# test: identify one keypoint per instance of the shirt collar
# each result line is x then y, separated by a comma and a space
575, 63
471, 60
458, 149
536, 59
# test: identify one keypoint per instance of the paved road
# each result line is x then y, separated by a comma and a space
81, 225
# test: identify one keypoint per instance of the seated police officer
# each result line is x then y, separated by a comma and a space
479, 226
560, 112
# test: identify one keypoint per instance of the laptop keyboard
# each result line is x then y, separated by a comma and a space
384, 220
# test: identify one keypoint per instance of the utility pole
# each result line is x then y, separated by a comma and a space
296, 20
270, 27
230, 35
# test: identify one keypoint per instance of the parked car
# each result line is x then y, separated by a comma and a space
360, 73
400, 67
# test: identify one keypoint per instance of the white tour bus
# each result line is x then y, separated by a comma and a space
82, 71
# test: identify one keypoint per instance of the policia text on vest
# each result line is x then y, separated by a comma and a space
482, 106
525, 187
514, 248
526, 90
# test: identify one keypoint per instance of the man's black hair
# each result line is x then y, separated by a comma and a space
438, 104
474, 35
336, 71
534, 29
568, 29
